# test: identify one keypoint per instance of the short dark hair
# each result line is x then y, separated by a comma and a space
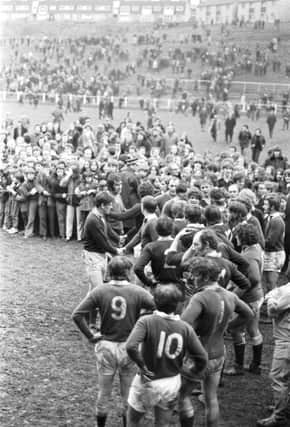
193, 214
145, 189
202, 266
119, 267
181, 188
212, 215
238, 208
167, 297
274, 201
194, 193
209, 237
112, 179
103, 198
149, 204
178, 208
247, 234
217, 196
20, 177
164, 226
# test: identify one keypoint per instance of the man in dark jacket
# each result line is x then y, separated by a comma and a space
20, 130
154, 253
230, 124
276, 159
271, 121
244, 138
257, 145
96, 240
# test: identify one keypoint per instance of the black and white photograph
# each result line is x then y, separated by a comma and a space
144, 213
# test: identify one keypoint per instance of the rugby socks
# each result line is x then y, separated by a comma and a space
187, 422
240, 354
101, 420
124, 418
238, 368
257, 357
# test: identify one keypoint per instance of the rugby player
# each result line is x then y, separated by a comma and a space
205, 244
209, 312
119, 303
165, 340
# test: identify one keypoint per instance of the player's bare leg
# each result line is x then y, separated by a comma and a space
163, 417
105, 390
210, 387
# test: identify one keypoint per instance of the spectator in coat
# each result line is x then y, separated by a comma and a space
230, 124
276, 159
274, 256
19, 130
257, 145
271, 121
244, 139
147, 232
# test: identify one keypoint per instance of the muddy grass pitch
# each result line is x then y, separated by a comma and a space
48, 375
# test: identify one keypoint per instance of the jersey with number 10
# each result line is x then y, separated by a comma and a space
165, 341
119, 304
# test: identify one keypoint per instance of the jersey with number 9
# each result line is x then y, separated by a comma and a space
119, 304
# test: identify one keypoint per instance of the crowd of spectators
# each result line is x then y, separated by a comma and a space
120, 64
50, 174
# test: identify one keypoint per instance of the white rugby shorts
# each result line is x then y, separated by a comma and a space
162, 393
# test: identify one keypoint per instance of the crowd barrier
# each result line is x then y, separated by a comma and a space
237, 88
126, 102
252, 90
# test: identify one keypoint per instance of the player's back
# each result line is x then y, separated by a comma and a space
120, 304
216, 306
165, 343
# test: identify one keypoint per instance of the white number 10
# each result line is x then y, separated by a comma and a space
119, 307
164, 345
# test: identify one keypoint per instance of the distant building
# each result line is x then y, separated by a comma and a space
282, 10
227, 11
97, 10
256, 10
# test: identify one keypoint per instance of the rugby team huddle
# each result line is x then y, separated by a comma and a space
181, 249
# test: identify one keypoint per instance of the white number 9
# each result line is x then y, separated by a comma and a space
119, 307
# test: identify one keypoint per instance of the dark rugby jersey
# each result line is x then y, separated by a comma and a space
165, 340
209, 312
119, 304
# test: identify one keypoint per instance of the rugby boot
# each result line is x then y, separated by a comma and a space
187, 422
101, 420
272, 421
255, 369
235, 371
257, 354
